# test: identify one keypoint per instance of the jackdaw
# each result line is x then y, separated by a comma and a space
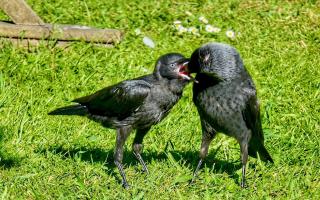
135, 104
226, 101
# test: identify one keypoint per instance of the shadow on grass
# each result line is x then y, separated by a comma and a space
189, 158
218, 166
6, 161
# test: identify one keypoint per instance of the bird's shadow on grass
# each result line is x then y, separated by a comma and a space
105, 157
191, 158
6, 161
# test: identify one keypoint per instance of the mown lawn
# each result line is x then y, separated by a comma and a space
59, 157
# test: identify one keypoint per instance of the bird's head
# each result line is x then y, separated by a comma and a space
173, 66
217, 60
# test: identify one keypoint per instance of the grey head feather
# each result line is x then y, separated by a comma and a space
165, 65
218, 60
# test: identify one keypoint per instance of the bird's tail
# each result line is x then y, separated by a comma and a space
257, 146
256, 143
264, 155
70, 110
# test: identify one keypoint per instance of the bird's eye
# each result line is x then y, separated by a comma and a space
204, 58
172, 64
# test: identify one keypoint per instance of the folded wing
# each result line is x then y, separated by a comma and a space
117, 101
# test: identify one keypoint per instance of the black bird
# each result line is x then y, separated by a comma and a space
135, 104
227, 102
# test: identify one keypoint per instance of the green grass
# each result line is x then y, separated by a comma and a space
56, 157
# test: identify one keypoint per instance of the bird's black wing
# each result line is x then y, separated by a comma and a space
251, 115
119, 100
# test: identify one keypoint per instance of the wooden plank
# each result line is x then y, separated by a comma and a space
26, 43
60, 32
20, 12
29, 43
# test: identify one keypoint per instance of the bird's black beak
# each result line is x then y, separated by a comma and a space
184, 70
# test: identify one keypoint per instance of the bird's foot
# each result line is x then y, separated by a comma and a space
126, 185
243, 185
145, 170
193, 180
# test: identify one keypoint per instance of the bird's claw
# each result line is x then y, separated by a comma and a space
192, 181
146, 171
126, 185
243, 185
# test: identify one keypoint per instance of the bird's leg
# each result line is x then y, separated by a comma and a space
206, 140
195, 173
244, 159
138, 147
122, 135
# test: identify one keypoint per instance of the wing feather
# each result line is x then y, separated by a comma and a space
119, 100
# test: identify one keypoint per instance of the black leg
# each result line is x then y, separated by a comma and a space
243, 180
138, 147
144, 166
122, 135
208, 133
244, 159
123, 175
195, 173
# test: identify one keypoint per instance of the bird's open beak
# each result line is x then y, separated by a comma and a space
184, 71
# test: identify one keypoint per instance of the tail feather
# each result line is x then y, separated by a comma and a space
264, 155
258, 147
70, 110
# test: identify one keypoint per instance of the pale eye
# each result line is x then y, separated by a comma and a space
206, 58
172, 65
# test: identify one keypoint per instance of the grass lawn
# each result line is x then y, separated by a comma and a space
61, 157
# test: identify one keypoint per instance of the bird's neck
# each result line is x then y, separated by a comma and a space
176, 86
206, 80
